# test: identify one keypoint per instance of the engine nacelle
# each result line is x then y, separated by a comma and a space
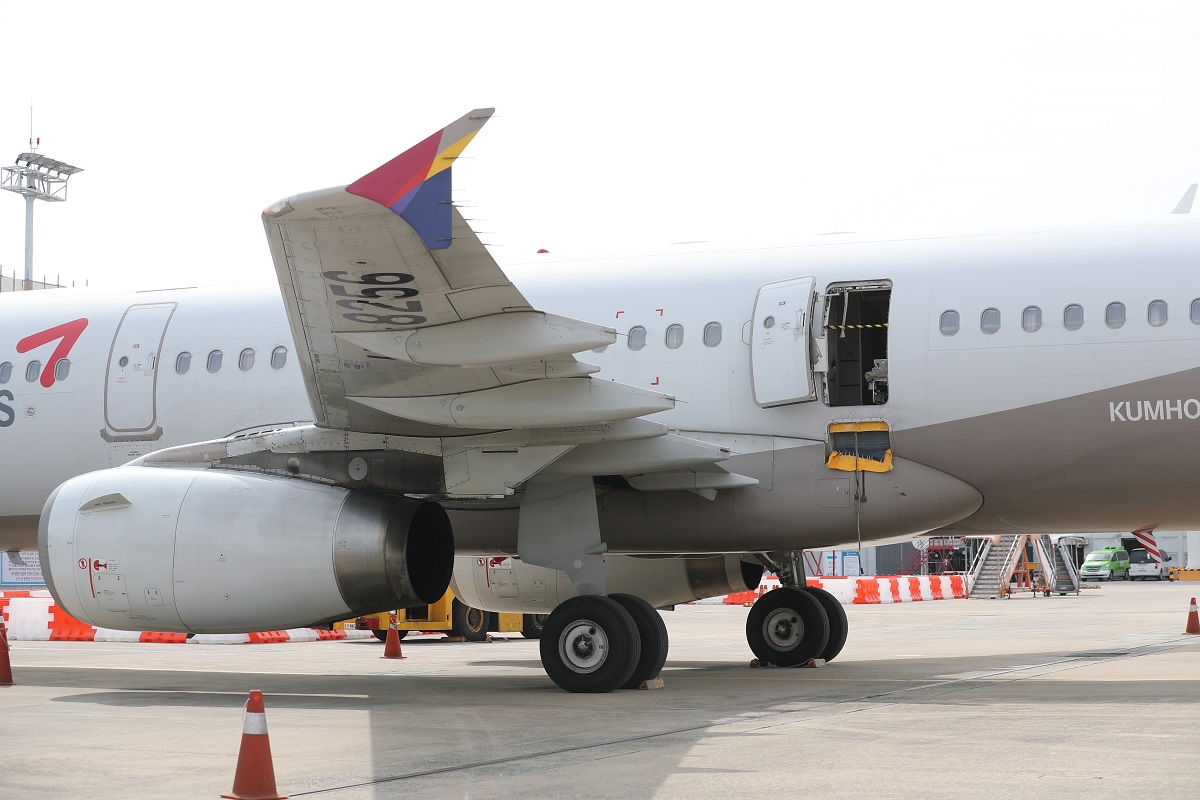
513, 586
208, 551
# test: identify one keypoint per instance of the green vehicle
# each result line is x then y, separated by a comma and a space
1106, 564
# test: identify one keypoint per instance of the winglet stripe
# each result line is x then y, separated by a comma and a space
402, 183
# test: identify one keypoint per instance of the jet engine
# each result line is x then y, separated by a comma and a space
208, 551
512, 586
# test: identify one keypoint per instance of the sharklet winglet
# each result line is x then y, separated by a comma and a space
416, 184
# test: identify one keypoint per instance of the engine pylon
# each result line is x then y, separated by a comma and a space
255, 775
391, 648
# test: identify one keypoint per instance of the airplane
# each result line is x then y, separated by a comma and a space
594, 438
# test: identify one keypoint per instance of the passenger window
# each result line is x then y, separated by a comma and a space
1114, 315
1156, 313
989, 321
1031, 319
1195, 311
214, 361
674, 336
183, 362
637, 337
62, 369
279, 357
1073, 317
712, 334
5, 371
949, 323
31, 370
246, 359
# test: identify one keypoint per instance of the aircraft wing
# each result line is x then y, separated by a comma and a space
405, 323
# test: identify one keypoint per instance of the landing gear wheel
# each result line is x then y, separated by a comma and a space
653, 634
786, 627
381, 635
470, 623
839, 626
590, 644
532, 625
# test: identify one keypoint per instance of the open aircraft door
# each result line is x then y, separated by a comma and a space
780, 360
131, 379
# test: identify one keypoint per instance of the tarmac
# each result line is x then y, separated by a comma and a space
1088, 696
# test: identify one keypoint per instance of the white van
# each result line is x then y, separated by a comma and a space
1142, 567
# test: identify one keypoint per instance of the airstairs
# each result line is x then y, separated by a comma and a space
1000, 557
1059, 564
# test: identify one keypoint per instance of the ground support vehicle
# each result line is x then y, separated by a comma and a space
451, 616
1106, 564
1142, 566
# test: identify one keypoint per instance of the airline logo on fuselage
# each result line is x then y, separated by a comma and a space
67, 334
1153, 410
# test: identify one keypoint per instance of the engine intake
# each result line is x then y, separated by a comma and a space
151, 549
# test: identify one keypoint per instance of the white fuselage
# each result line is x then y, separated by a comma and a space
1048, 413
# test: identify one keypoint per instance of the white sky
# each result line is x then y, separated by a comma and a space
619, 124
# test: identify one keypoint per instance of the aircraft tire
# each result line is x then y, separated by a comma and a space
590, 644
653, 634
786, 627
839, 625
470, 623
532, 625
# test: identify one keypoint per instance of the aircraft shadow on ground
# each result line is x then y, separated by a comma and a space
976, 680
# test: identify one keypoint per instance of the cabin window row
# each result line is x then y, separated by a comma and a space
1073, 317
673, 337
33, 371
183, 361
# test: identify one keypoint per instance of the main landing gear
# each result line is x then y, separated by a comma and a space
795, 623
792, 624
597, 644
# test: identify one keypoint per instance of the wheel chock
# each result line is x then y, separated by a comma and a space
653, 683
811, 663
453, 639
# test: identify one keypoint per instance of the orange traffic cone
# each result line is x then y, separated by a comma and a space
391, 648
255, 776
1193, 623
5, 666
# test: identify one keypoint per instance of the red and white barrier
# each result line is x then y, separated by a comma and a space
870, 589
34, 617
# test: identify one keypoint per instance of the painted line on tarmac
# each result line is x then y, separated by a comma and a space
243, 694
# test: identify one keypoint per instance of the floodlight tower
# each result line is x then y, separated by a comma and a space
37, 178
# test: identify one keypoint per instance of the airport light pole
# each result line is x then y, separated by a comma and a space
36, 177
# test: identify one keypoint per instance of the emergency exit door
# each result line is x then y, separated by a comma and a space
131, 379
779, 353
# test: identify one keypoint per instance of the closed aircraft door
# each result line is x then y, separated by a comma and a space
779, 352
131, 380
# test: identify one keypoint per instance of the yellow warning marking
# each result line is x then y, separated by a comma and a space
852, 327
857, 427
850, 463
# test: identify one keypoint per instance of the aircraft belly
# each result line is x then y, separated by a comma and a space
808, 505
